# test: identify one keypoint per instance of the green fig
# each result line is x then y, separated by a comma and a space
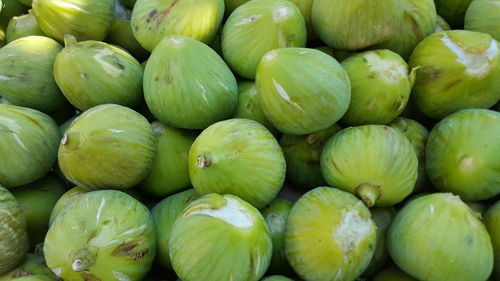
64, 200
484, 16
121, 35
35, 278
10, 9
209, 95
101, 235
153, 20
22, 26
301, 90
107, 147
220, 237
33, 264
477, 208
305, 7
257, 27
438, 231
492, 223
277, 278
393, 273
28, 145
462, 154
239, 157
442, 25
453, 11
329, 235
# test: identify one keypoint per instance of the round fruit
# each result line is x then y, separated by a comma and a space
257, 27
121, 35
305, 7
438, 231
22, 26
329, 234
393, 273
209, 95
33, 264
220, 237
462, 154
107, 147
381, 86
456, 70
382, 174
240, 157
28, 145
442, 25
10, 9
153, 20
64, 200
453, 11
302, 90
492, 222
484, 16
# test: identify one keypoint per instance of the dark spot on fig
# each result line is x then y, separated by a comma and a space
136, 28
139, 255
371, 76
21, 273
416, 29
452, 84
151, 15
157, 78
164, 13
124, 249
469, 240
89, 277
85, 76
169, 78
428, 74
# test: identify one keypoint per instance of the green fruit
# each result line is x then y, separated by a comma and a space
492, 222
302, 90
477, 208
436, 237
484, 16
101, 235
462, 154
220, 237
35, 278
305, 7
381, 174
277, 278
209, 95
121, 35
456, 70
64, 200
453, 11
14, 241
153, 20
393, 273
417, 134
276, 214
107, 147
22, 26
240, 157
257, 27
164, 215
302, 154
84, 19
37, 200
33, 264
381, 86
329, 235
442, 25
91, 73
356, 24
10, 9
28, 145
26, 72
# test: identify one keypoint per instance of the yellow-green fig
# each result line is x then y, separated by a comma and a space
22, 26
33, 264
36, 278
393, 273
10, 9
442, 25
121, 35
64, 200
305, 7
492, 223
484, 16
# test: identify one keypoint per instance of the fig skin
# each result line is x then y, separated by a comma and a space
10, 9
33, 264
393, 273
441, 24
121, 35
492, 223
64, 200
23, 26
484, 16
453, 11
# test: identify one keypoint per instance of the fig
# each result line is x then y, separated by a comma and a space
439, 231
462, 154
231, 5
239, 157
33, 264
28, 145
257, 27
393, 273
356, 24
492, 222
209, 95
10, 8
456, 69
277, 278
301, 90
14, 242
339, 55
91, 73
84, 19
305, 7
302, 154
381, 174
477, 208
64, 200
220, 237
329, 235
22, 26
101, 235
453, 11
484, 16
121, 35
153, 20
442, 25
107, 147
35, 278
169, 172
26, 73
381, 85
164, 215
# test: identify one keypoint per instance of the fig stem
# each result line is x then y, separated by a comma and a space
202, 162
368, 193
71, 140
82, 261
69, 40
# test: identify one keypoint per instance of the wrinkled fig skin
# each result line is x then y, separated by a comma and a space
153, 20
164, 215
393, 273
442, 25
84, 19
329, 235
28, 145
277, 278
91, 73
492, 222
456, 70
463, 244
302, 154
107, 147
121, 35
33, 264
462, 154
208, 96
382, 174
335, 24
453, 11
99, 229
26, 68
240, 157
484, 16
381, 86
22, 26
169, 173
14, 242
301, 90
257, 27
10, 8
220, 237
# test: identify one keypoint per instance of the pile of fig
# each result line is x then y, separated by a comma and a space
249, 140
